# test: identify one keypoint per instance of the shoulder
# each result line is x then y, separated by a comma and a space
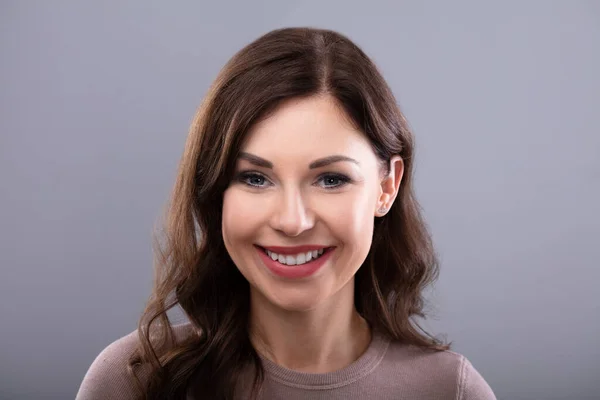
443, 372
471, 385
109, 377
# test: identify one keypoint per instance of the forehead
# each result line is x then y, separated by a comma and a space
314, 125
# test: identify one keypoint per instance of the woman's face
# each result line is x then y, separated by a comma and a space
307, 182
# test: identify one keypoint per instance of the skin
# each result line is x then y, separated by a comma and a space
308, 324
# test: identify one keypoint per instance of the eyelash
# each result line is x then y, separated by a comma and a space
243, 177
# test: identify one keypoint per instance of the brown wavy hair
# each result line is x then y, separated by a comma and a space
193, 268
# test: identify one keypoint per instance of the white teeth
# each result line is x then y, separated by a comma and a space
301, 258
290, 260
297, 259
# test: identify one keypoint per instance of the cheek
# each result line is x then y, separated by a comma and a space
243, 216
351, 217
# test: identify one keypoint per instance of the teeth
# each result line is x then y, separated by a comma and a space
301, 258
297, 259
290, 260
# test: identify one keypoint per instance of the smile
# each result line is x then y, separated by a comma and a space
295, 259
294, 262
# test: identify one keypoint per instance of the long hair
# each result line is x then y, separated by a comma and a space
193, 268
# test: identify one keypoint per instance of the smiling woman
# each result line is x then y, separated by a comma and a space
308, 181
294, 244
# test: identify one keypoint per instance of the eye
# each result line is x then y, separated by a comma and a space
253, 179
332, 181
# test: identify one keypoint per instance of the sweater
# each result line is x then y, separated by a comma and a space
386, 370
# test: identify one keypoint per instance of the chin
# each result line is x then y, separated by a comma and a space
290, 301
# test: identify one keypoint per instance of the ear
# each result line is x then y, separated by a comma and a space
390, 184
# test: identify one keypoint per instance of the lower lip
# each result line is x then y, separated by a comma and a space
294, 271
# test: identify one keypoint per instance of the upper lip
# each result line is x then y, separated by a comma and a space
294, 249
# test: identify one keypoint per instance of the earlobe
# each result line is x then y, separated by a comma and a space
382, 211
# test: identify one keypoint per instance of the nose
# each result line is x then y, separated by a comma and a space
292, 216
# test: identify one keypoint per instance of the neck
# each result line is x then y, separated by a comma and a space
324, 339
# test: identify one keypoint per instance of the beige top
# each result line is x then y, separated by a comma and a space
387, 370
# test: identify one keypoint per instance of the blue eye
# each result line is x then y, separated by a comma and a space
253, 179
326, 181
332, 181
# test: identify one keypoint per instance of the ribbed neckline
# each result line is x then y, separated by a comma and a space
364, 365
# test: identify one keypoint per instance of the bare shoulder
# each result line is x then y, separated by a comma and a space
109, 377
441, 372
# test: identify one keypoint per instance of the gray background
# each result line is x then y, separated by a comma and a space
95, 103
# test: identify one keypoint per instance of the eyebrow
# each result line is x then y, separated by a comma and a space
321, 162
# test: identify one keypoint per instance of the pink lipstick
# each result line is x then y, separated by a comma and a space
294, 271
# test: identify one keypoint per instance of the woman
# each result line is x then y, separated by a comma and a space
294, 244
